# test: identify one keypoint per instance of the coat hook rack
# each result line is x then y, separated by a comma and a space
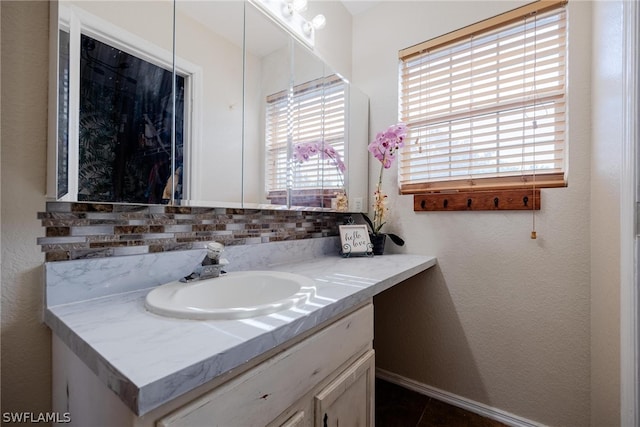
499, 200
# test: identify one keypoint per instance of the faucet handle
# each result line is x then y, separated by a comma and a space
214, 249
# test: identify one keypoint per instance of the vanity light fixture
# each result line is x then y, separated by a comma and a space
286, 13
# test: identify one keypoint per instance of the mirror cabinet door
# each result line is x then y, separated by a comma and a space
317, 139
115, 101
209, 56
267, 78
303, 106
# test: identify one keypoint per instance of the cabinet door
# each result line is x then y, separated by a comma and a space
349, 399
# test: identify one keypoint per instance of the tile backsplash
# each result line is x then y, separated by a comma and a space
90, 230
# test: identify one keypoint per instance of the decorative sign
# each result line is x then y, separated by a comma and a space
355, 240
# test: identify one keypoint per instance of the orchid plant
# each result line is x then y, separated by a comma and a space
303, 151
385, 148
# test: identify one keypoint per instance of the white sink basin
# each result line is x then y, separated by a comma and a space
234, 295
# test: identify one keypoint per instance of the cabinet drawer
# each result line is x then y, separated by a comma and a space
262, 393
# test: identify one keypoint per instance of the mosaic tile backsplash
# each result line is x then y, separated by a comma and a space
90, 230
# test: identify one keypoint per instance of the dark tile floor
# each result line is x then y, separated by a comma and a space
399, 407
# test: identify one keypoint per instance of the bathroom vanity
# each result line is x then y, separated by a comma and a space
115, 363
324, 376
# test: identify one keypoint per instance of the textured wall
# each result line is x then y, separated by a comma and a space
504, 320
26, 342
605, 212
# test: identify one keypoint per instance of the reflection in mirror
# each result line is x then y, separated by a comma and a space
62, 105
303, 138
210, 36
115, 84
317, 100
125, 132
267, 71
357, 155
245, 92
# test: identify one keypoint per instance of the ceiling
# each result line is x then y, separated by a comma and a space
356, 7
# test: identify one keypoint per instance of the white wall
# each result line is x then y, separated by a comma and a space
606, 157
503, 320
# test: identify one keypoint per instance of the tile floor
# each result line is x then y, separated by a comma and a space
399, 407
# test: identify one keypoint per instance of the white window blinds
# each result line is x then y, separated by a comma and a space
486, 109
311, 112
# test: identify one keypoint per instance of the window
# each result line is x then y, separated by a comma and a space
485, 105
125, 126
310, 112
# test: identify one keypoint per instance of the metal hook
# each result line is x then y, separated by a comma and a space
525, 200
469, 203
495, 202
445, 203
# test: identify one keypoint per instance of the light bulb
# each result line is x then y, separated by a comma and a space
316, 23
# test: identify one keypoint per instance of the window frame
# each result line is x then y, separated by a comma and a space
532, 178
283, 130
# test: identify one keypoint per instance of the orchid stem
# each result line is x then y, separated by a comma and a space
376, 228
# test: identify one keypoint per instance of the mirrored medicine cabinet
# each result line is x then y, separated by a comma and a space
198, 103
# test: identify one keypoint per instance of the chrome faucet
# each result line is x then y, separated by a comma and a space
211, 265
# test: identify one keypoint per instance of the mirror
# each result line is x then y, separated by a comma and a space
226, 145
115, 98
267, 72
310, 147
211, 36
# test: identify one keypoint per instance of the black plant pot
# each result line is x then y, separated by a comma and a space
378, 241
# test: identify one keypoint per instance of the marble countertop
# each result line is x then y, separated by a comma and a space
149, 359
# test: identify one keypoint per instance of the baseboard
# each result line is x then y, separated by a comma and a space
460, 402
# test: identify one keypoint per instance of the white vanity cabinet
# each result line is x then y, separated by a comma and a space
328, 375
325, 378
